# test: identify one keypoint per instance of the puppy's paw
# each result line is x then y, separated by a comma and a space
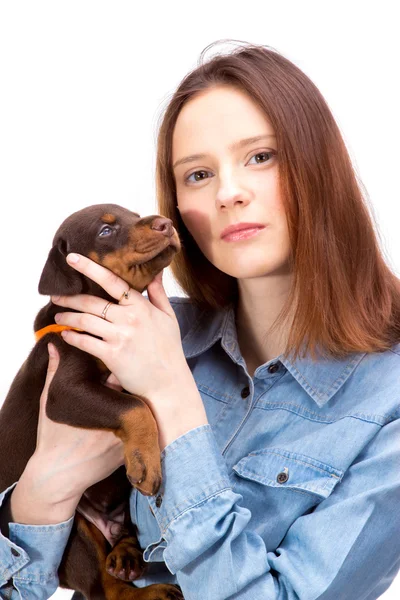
125, 562
144, 473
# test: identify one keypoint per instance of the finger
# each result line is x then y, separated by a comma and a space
88, 323
109, 281
158, 296
54, 360
84, 303
86, 343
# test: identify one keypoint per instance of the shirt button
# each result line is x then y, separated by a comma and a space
245, 392
158, 501
14, 552
273, 368
284, 476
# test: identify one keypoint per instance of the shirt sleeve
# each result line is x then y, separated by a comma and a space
348, 547
30, 557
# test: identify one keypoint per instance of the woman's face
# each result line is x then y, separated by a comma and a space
230, 185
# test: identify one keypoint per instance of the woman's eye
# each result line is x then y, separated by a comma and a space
105, 231
196, 173
262, 154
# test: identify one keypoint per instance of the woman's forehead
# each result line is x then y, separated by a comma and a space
219, 117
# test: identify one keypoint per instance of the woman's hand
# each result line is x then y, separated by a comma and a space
141, 342
67, 459
141, 345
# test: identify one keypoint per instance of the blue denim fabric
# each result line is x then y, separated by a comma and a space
292, 491
30, 557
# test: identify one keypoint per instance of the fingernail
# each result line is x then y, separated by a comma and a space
72, 258
51, 349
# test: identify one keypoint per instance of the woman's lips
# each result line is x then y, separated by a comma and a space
243, 234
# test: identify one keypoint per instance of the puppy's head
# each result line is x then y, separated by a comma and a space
134, 248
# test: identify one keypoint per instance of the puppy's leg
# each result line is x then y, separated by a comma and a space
83, 568
77, 397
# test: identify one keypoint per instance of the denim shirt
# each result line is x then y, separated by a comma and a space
291, 491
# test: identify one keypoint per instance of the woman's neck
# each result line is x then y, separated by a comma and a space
254, 317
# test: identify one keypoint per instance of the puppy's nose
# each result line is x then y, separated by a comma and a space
164, 225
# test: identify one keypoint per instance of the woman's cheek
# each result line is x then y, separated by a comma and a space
199, 226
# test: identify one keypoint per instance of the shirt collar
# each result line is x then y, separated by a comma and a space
321, 379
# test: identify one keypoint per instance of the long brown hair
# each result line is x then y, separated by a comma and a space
346, 298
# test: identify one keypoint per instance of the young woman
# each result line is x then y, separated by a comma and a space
275, 383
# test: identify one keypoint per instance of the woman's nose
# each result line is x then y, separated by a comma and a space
231, 193
232, 199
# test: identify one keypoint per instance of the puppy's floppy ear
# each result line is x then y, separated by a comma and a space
58, 278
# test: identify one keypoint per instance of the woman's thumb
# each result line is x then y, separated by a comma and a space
158, 296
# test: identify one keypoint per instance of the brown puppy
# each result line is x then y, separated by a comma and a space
136, 249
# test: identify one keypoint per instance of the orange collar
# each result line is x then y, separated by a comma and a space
52, 329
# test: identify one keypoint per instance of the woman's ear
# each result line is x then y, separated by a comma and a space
58, 278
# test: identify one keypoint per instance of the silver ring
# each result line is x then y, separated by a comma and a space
105, 309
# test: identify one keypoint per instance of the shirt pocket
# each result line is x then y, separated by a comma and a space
279, 485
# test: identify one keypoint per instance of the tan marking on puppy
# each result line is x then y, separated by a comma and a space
124, 261
120, 261
139, 434
94, 256
108, 218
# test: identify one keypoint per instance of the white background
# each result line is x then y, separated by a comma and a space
84, 82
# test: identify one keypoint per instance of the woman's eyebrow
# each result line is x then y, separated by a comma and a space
234, 146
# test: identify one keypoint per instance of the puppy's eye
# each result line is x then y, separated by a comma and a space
105, 231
